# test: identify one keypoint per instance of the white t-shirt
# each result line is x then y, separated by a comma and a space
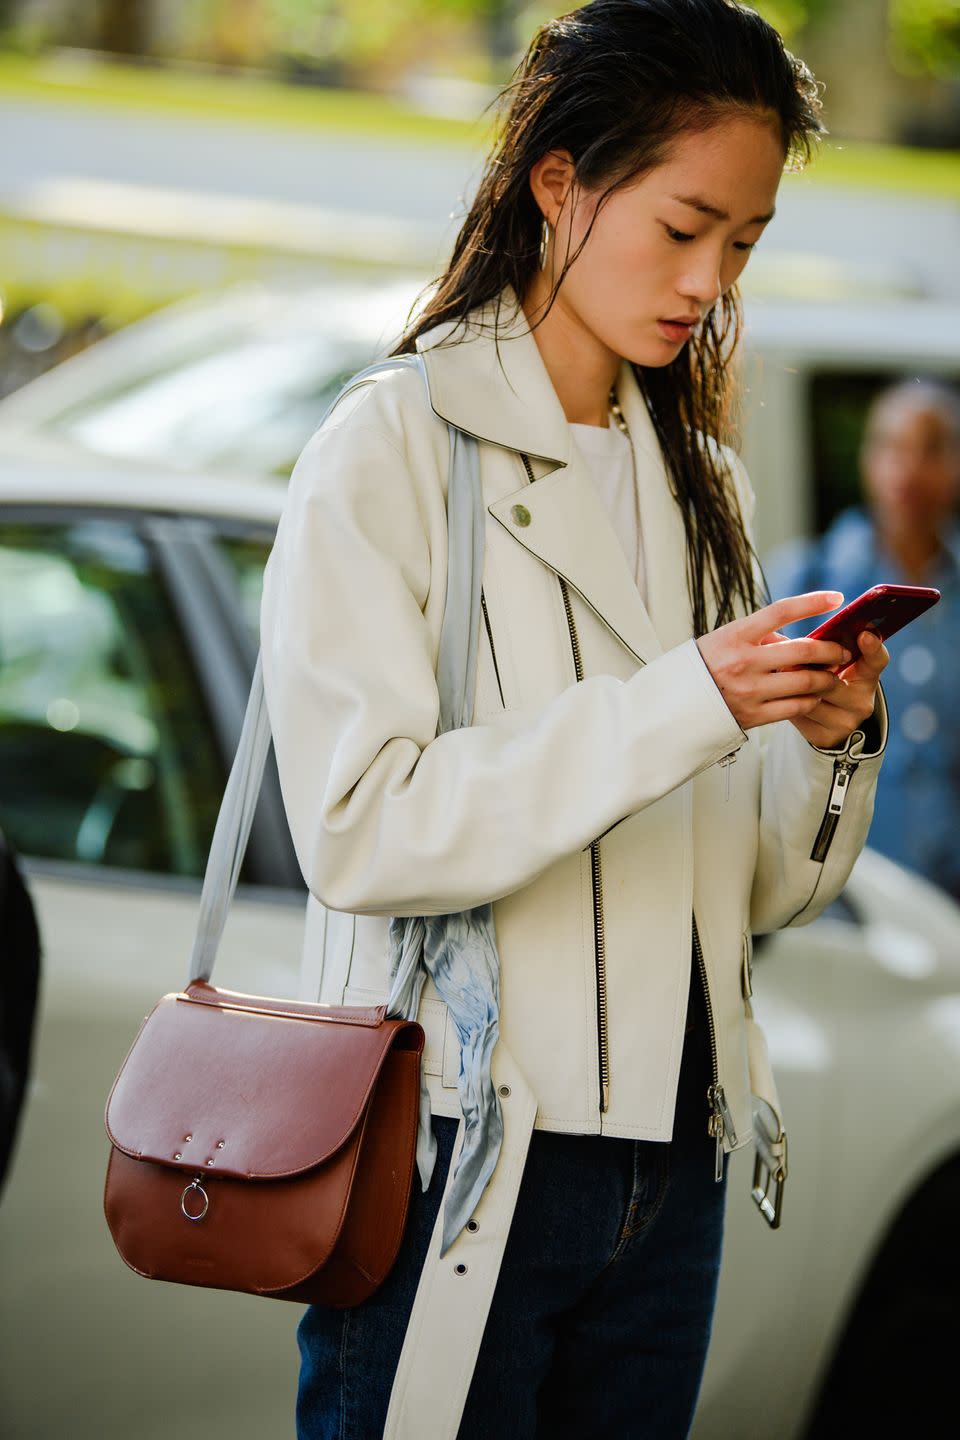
606, 454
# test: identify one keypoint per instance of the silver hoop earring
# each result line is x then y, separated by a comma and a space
544, 243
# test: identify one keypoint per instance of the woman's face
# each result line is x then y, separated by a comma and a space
665, 246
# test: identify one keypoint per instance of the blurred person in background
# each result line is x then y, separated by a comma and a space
906, 532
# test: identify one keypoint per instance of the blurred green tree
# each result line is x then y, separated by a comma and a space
123, 26
320, 35
926, 35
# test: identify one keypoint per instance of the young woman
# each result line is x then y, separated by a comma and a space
648, 774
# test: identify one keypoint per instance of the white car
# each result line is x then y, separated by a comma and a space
239, 379
233, 379
128, 610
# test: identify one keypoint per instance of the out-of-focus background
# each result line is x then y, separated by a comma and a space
160, 149
211, 212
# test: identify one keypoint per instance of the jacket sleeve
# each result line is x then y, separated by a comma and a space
815, 804
387, 817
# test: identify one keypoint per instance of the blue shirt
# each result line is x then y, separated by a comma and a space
917, 814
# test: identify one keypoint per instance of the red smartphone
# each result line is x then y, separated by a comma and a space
883, 608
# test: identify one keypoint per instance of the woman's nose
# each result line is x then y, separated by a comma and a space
702, 285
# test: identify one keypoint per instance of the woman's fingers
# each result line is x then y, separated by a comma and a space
874, 658
778, 684
784, 654
758, 696
796, 707
841, 710
786, 611
763, 676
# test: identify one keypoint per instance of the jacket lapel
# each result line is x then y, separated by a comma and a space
562, 521
559, 517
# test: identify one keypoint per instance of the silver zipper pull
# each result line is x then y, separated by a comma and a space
842, 770
725, 762
716, 1127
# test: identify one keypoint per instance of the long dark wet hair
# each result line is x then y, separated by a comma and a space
616, 83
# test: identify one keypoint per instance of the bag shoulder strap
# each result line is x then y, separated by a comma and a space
456, 678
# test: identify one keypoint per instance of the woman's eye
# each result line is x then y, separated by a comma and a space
680, 237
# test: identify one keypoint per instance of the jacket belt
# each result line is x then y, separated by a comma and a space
455, 1292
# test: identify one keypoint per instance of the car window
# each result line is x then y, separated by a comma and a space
247, 557
106, 751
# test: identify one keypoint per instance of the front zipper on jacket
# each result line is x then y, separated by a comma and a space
493, 653
599, 940
720, 1121
843, 769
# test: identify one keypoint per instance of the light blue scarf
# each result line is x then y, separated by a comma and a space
457, 951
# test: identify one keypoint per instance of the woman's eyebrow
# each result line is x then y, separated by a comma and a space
704, 206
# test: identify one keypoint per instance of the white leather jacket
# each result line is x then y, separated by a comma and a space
603, 796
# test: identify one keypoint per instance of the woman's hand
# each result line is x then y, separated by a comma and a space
764, 677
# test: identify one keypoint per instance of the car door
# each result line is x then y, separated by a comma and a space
124, 665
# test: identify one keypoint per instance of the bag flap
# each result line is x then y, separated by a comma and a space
248, 1086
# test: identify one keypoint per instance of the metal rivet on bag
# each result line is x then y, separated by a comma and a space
473, 1226
209, 1162
460, 1269
178, 1156
220, 1144
188, 1138
520, 515
504, 1090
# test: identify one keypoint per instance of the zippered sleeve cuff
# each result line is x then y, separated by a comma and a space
815, 814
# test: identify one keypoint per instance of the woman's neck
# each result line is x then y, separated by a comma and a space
581, 368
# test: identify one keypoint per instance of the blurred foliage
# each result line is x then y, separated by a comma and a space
323, 36
383, 32
926, 35
791, 17
319, 37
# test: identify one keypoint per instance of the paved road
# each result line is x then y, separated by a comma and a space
413, 180
914, 239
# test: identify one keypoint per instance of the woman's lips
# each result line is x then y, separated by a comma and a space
674, 330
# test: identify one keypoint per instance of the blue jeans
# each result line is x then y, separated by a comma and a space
601, 1317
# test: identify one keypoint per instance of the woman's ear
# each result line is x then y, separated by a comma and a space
550, 181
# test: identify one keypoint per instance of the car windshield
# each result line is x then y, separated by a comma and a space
250, 406
106, 750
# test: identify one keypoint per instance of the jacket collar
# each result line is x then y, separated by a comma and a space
516, 406
491, 381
